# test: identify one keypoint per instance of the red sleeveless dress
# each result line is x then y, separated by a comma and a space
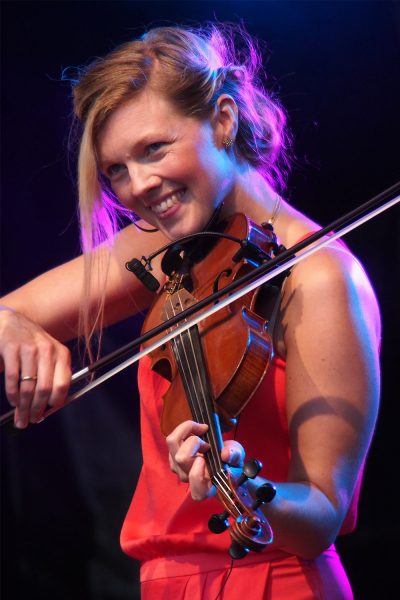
167, 531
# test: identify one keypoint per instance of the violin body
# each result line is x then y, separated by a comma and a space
216, 366
236, 345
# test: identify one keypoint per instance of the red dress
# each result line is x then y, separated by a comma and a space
167, 531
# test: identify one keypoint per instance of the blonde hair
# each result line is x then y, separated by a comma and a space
192, 68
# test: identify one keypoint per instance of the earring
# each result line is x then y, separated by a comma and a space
227, 143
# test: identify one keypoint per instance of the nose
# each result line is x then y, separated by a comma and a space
143, 180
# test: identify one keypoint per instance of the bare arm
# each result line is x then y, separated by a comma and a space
44, 312
52, 300
331, 333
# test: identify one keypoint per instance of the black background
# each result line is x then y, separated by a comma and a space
67, 483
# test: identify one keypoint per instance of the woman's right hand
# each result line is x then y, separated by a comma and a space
28, 351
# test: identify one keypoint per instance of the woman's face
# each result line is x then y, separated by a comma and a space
170, 169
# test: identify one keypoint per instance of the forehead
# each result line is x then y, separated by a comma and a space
145, 115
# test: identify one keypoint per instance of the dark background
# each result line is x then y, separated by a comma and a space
67, 483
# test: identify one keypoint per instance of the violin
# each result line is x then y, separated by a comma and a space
215, 367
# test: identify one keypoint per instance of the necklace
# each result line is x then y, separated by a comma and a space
275, 210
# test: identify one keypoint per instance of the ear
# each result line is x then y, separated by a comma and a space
225, 119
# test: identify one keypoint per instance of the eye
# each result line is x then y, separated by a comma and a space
153, 148
114, 170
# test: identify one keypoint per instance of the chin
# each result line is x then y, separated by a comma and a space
180, 230
186, 223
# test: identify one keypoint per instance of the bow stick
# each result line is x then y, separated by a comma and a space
260, 275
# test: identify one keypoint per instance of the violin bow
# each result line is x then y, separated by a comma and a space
259, 276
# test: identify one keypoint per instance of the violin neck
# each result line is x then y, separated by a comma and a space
189, 357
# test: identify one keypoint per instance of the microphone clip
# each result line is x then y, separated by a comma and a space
142, 271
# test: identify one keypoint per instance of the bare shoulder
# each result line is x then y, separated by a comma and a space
328, 287
331, 329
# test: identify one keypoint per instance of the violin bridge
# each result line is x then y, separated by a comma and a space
179, 299
176, 281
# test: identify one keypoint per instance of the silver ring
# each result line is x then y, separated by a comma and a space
28, 378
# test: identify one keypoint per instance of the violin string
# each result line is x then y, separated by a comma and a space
207, 417
202, 400
221, 482
182, 370
193, 398
205, 409
211, 457
220, 478
192, 389
185, 370
219, 474
226, 491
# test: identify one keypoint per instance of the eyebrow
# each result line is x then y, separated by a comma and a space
146, 140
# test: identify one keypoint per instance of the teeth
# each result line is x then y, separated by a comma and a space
166, 204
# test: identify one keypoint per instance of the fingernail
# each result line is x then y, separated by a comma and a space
20, 424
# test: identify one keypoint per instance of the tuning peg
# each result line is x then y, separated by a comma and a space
250, 470
236, 551
264, 493
218, 523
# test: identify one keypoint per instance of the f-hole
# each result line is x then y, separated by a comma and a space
225, 273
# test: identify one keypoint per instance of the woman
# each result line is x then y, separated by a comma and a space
179, 131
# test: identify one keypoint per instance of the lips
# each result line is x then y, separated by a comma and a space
163, 206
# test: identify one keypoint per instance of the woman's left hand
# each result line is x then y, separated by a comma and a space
186, 457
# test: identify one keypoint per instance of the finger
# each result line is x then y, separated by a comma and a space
172, 465
188, 450
44, 383
182, 475
199, 479
54, 378
62, 377
182, 432
187, 428
233, 453
11, 361
29, 368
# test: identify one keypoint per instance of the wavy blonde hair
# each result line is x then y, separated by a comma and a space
192, 68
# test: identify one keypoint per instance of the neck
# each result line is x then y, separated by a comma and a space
251, 195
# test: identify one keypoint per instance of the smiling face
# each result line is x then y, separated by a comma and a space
170, 169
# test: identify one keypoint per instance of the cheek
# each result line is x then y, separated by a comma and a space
219, 177
202, 168
215, 163
123, 194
